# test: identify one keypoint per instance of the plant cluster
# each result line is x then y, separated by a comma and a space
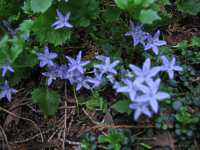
94, 45
142, 89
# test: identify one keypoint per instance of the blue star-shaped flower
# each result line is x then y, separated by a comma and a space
146, 73
46, 57
63, 21
137, 34
140, 108
107, 66
154, 42
77, 64
82, 81
63, 71
6, 67
170, 67
131, 88
7, 91
52, 74
96, 81
153, 95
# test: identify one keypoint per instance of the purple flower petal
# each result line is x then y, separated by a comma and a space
154, 105
135, 69
162, 95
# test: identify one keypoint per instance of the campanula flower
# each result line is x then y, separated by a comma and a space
62, 71
153, 95
6, 67
46, 58
140, 108
170, 66
7, 91
96, 80
63, 21
77, 64
106, 66
137, 34
146, 73
153, 42
131, 87
82, 81
72, 76
52, 74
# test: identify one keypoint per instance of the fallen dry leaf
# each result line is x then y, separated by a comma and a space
165, 139
15, 110
108, 119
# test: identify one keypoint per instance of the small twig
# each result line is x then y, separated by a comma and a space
26, 119
71, 120
30, 138
65, 119
34, 110
98, 127
65, 126
146, 139
66, 107
92, 120
54, 133
5, 137
19, 105
77, 104
71, 142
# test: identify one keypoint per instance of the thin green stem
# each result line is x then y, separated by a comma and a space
76, 99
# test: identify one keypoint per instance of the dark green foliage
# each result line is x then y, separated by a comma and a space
114, 139
82, 15
100, 27
185, 125
40, 6
88, 142
47, 100
9, 7
117, 139
45, 33
146, 11
96, 102
122, 106
189, 6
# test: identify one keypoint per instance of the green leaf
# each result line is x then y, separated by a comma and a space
123, 4
189, 6
148, 16
25, 60
83, 12
195, 41
40, 5
3, 49
114, 137
165, 2
47, 100
122, 106
9, 7
26, 25
45, 33
27, 7
25, 28
18, 45
147, 3
112, 14
182, 45
96, 102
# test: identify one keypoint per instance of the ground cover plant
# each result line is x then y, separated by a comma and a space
111, 74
